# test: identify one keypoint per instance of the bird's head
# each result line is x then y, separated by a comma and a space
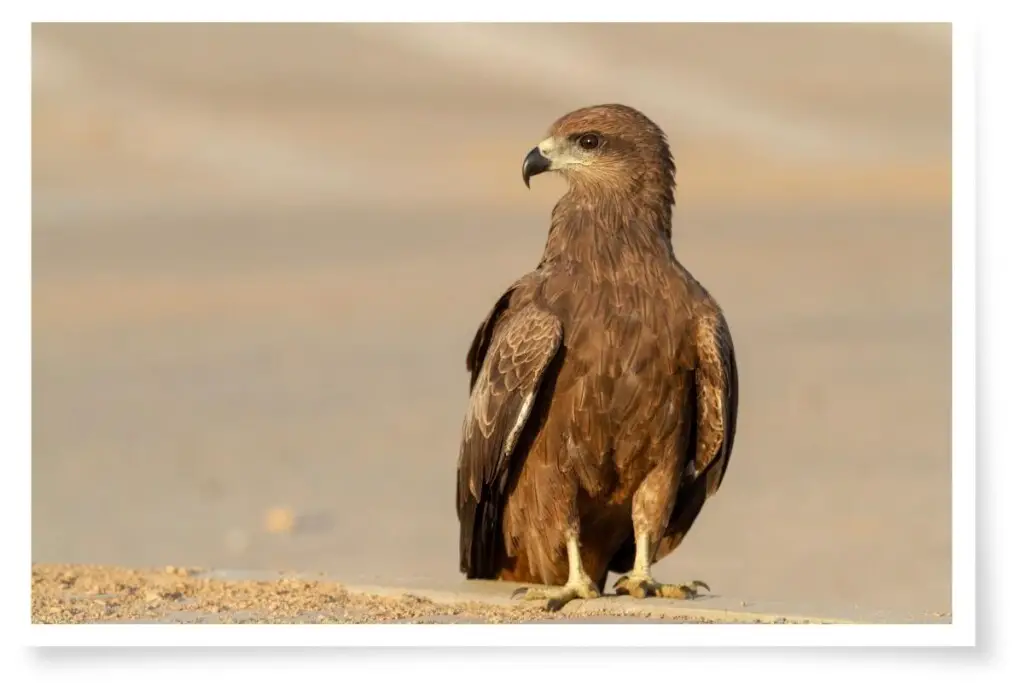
602, 147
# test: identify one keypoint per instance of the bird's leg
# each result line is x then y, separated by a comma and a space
579, 584
652, 506
640, 584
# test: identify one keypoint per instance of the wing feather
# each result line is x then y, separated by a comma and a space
713, 430
508, 361
718, 392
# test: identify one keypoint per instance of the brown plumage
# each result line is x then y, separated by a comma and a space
603, 384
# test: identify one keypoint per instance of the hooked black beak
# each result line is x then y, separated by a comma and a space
534, 163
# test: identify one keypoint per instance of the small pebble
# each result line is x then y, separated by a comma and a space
279, 520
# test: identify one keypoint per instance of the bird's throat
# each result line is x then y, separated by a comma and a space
605, 231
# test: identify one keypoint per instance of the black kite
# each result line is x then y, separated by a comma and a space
603, 384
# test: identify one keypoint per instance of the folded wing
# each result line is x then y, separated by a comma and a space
509, 361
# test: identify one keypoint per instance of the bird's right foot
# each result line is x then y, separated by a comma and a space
558, 597
643, 586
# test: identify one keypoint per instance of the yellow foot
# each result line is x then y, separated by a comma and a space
645, 587
559, 596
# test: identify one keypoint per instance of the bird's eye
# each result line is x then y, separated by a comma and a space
589, 141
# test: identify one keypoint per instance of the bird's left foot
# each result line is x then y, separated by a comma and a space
556, 598
646, 587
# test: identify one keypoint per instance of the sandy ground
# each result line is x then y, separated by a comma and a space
75, 594
259, 254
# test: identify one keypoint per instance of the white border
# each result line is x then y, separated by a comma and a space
520, 11
512, 635
16, 364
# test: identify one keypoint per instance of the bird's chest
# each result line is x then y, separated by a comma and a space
623, 359
617, 330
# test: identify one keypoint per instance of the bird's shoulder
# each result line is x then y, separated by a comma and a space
518, 318
699, 299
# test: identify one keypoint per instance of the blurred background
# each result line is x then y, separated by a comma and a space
260, 253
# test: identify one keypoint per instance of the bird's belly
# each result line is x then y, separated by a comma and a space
622, 426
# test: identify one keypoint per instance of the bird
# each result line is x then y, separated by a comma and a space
604, 388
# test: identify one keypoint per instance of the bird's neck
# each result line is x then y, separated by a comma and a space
604, 229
